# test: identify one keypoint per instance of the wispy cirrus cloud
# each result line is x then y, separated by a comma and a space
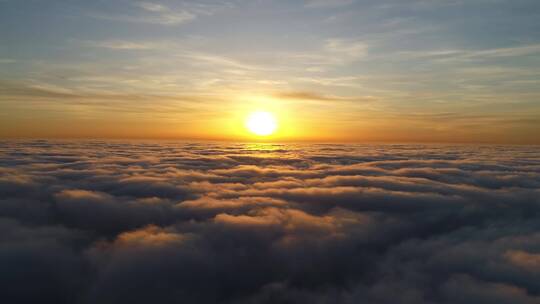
127, 45
327, 3
346, 49
153, 13
165, 15
329, 53
313, 96
451, 55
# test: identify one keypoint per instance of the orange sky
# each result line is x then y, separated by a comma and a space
334, 71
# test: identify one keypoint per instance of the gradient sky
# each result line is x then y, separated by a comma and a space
331, 70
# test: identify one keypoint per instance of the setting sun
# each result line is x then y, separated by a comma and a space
261, 123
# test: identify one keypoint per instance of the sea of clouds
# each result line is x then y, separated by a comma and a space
155, 222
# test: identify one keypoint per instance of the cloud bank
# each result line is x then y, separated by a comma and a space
143, 222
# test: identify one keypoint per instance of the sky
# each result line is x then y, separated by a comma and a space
335, 70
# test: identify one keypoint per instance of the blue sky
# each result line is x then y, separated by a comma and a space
355, 70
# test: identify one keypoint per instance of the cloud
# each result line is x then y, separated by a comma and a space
86, 221
452, 55
525, 260
327, 3
346, 49
312, 96
464, 289
153, 13
150, 236
152, 7
126, 45
331, 53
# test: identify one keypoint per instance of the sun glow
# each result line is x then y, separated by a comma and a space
261, 123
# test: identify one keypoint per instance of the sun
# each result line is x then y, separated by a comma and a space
261, 123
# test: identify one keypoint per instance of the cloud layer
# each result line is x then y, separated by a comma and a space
142, 222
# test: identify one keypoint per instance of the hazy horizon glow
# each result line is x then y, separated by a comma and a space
335, 70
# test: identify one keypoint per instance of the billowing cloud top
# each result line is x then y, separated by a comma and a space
149, 222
